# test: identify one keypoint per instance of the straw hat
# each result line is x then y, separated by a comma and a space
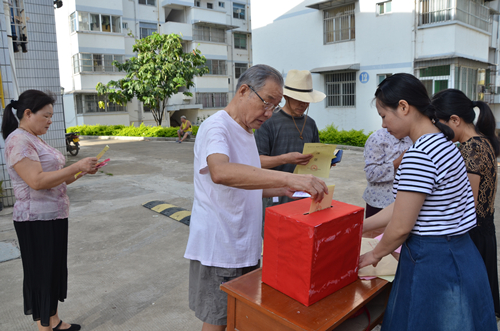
299, 86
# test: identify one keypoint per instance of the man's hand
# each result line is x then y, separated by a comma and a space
308, 183
298, 158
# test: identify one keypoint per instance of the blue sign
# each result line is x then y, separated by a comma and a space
364, 77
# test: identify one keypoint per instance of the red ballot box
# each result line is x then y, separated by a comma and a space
310, 256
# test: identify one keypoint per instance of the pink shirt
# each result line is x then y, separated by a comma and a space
35, 205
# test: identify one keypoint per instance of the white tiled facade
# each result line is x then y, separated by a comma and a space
351, 45
35, 69
220, 29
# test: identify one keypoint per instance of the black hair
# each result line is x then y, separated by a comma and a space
33, 100
455, 102
407, 87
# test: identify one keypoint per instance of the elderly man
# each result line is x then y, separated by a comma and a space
281, 139
225, 231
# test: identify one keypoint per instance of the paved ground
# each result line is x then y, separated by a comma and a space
126, 265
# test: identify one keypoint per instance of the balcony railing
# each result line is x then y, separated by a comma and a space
466, 11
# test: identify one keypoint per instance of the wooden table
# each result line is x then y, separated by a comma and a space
253, 305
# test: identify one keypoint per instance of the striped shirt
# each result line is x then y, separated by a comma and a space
434, 166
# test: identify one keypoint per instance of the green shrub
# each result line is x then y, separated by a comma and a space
129, 131
332, 135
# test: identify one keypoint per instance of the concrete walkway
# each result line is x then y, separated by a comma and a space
126, 265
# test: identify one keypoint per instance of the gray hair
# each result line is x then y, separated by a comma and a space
257, 75
183, 116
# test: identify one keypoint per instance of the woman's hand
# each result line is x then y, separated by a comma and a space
87, 164
367, 259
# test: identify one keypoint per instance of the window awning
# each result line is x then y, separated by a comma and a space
451, 58
343, 67
216, 25
330, 4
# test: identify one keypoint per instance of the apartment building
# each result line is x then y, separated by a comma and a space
93, 33
350, 46
28, 60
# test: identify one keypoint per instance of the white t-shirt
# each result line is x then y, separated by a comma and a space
435, 167
226, 222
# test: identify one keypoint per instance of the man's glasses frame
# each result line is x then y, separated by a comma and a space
267, 105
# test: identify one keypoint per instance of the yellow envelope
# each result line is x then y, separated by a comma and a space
323, 204
319, 165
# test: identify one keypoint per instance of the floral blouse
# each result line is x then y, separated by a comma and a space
480, 159
35, 205
381, 149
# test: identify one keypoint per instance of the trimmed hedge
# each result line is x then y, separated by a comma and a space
329, 135
129, 131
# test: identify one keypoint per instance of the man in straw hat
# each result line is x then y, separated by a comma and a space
281, 139
225, 230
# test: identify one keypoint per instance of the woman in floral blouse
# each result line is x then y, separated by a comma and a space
383, 154
40, 214
479, 146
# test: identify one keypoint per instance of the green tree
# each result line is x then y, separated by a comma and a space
157, 72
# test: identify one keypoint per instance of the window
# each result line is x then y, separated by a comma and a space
339, 24
147, 29
466, 80
83, 21
89, 103
212, 100
216, 67
147, 2
239, 69
222, 4
384, 7
197, 4
76, 65
106, 23
18, 29
435, 78
95, 22
97, 58
72, 22
83, 62
86, 62
380, 78
240, 41
471, 12
209, 34
210, 5
238, 11
341, 89
116, 24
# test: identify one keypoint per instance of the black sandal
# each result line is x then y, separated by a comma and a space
73, 327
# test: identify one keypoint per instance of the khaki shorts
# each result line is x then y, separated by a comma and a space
206, 299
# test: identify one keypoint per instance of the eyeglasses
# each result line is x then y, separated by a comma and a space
267, 105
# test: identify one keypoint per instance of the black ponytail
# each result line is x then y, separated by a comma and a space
454, 102
29, 99
9, 121
409, 88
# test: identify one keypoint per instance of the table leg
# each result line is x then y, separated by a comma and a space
231, 312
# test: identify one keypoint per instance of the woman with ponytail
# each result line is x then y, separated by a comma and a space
40, 214
441, 282
479, 147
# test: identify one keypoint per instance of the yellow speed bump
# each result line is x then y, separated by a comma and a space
169, 210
